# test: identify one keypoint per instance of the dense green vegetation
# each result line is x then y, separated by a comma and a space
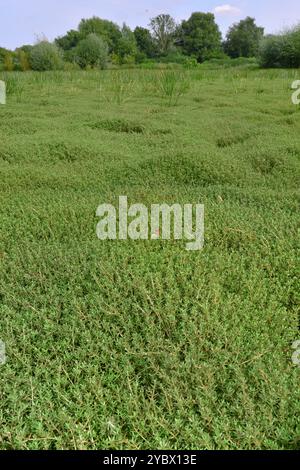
134, 345
100, 43
282, 50
200, 37
243, 39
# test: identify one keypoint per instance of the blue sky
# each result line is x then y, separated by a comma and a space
22, 20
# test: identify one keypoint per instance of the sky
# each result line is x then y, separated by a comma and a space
23, 21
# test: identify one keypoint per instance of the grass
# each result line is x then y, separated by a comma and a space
143, 345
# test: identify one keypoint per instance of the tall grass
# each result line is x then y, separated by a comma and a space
121, 86
14, 85
172, 85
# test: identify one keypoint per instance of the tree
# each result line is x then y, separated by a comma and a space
23, 59
269, 53
45, 56
200, 36
127, 44
281, 50
243, 39
26, 48
69, 41
9, 62
3, 53
145, 42
92, 51
163, 29
107, 30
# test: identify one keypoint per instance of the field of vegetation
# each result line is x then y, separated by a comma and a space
143, 345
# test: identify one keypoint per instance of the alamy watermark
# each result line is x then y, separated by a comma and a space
137, 223
296, 94
2, 92
2, 353
296, 354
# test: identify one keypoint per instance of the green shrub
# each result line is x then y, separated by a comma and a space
190, 62
290, 53
9, 62
243, 38
173, 57
148, 64
140, 57
45, 56
70, 56
23, 60
281, 50
71, 67
92, 51
227, 62
269, 51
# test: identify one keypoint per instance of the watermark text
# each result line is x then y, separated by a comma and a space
164, 222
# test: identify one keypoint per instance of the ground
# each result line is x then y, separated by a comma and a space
142, 344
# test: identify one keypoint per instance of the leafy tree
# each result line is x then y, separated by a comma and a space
269, 53
243, 39
163, 29
9, 62
27, 48
281, 50
70, 56
92, 51
69, 41
23, 60
200, 36
45, 56
145, 42
4, 52
107, 30
290, 54
127, 45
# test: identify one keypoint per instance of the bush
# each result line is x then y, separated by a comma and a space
281, 51
23, 60
227, 62
3, 53
9, 62
148, 64
270, 51
243, 38
173, 57
71, 67
140, 57
190, 62
45, 56
92, 51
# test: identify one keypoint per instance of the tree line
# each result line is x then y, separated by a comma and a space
97, 42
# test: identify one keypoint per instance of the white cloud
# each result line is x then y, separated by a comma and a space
227, 10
